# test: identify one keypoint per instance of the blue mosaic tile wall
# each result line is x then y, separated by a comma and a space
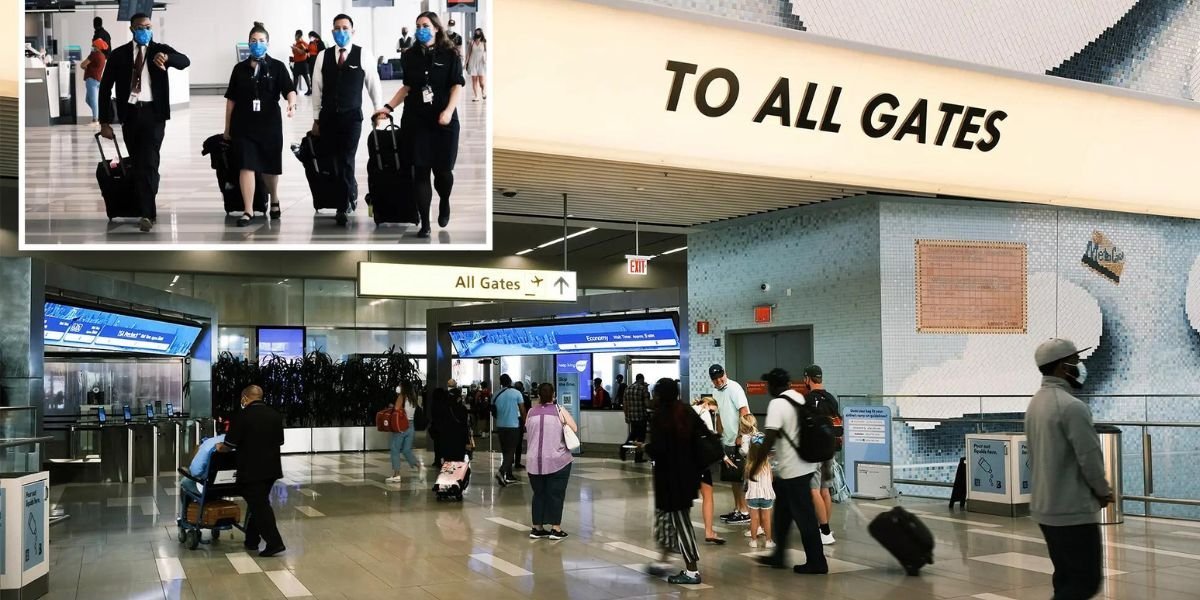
1146, 45
827, 255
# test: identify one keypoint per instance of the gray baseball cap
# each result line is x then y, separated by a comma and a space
1055, 350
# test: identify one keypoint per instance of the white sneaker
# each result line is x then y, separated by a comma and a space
392, 479
770, 544
827, 539
747, 533
753, 543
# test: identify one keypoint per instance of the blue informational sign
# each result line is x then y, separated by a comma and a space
567, 388
867, 437
639, 335
33, 520
91, 329
285, 342
1025, 470
579, 365
989, 465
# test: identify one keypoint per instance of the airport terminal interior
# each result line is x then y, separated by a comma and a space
908, 213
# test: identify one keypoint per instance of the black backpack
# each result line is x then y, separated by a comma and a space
818, 438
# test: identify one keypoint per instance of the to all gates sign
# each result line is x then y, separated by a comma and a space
464, 282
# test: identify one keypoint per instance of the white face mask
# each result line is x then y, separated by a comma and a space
1082, 373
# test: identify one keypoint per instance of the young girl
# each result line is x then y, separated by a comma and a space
759, 493
747, 429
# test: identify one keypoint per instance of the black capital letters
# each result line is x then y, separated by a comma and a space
827, 122
914, 124
706, 80
990, 125
778, 104
681, 70
948, 113
802, 119
887, 121
967, 126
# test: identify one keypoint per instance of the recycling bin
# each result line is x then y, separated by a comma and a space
24, 519
998, 474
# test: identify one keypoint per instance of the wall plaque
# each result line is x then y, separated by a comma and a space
971, 287
1104, 257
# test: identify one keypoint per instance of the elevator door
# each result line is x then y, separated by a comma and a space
754, 353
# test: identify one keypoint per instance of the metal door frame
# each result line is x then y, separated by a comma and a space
731, 350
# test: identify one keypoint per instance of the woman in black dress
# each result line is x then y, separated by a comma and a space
433, 83
252, 120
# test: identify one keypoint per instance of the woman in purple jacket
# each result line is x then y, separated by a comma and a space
548, 463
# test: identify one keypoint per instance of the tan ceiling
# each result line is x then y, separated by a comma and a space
608, 191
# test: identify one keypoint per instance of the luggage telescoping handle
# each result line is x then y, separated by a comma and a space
391, 129
100, 145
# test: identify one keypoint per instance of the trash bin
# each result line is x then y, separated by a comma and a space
1110, 447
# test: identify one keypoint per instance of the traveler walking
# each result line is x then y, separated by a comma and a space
825, 404
760, 494
453, 35
136, 74
510, 411
549, 463
674, 430
300, 71
93, 71
99, 33
433, 78
257, 434
1067, 468
477, 65
636, 403
253, 123
315, 47
339, 77
706, 409
402, 442
525, 407
448, 425
793, 477
481, 409
731, 399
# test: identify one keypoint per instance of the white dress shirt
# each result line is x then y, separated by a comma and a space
146, 95
372, 84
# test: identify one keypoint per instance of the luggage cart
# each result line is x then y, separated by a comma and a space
220, 484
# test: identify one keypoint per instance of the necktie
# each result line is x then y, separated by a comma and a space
341, 57
138, 63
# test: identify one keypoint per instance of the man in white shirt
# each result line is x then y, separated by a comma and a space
793, 478
338, 79
731, 405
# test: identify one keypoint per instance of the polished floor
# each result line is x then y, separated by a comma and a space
352, 536
63, 203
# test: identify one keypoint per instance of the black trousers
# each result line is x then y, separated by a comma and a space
1078, 556
637, 433
510, 447
443, 182
143, 133
794, 504
341, 132
260, 517
549, 496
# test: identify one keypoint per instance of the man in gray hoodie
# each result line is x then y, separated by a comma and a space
1067, 469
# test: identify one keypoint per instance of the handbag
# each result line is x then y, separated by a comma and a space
735, 473
570, 438
707, 447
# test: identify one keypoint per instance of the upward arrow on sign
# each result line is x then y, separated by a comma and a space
562, 285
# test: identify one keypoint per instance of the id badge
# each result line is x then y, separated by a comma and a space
133, 98
427, 94
256, 105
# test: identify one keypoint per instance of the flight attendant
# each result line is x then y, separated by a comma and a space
433, 83
253, 122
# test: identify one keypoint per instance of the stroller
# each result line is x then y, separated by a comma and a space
210, 509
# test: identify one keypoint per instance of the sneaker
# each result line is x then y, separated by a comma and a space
740, 519
511, 480
683, 578
538, 534
747, 533
770, 545
501, 480
392, 479
145, 224
557, 534
728, 516
827, 539
753, 543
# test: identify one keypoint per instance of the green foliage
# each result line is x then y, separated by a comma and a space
316, 391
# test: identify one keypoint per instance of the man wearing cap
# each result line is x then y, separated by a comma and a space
731, 405
822, 483
1067, 470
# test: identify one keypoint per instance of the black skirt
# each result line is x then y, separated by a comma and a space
428, 143
259, 155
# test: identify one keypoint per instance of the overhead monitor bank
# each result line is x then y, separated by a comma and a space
94, 329
575, 336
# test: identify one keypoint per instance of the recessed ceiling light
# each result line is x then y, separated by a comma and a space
680, 249
525, 251
639, 189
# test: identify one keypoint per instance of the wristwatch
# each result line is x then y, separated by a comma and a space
389, 107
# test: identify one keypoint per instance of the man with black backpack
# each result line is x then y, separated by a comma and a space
806, 440
826, 404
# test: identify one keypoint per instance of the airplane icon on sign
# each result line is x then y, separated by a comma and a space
537, 281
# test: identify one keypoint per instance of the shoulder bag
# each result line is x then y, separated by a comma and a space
570, 438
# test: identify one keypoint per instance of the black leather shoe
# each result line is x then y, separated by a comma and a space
443, 213
423, 233
341, 218
807, 570
270, 551
249, 546
146, 225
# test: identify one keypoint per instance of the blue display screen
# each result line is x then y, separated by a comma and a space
284, 342
579, 364
93, 329
641, 335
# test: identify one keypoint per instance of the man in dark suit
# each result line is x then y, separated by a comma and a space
257, 434
137, 71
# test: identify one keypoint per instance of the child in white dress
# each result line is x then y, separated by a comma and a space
760, 495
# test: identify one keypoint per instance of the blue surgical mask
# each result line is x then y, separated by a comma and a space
424, 34
258, 49
142, 36
341, 37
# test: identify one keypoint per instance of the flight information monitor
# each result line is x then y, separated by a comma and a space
630, 335
92, 329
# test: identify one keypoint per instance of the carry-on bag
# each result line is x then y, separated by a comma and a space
221, 157
323, 173
389, 178
453, 480
216, 512
905, 536
391, 420
116, 184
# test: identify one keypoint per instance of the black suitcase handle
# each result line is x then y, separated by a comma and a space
391, 130
100, 145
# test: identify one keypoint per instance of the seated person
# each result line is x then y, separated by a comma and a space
199, 469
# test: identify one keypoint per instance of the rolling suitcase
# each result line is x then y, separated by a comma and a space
220, 155
905, 536
385, 72
323, 173
389, 178
453, 480
116, 184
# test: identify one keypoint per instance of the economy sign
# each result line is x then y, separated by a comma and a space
465, 283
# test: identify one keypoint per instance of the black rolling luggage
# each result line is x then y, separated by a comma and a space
116, 185
221, 157
905, 536
389, 178
323, 173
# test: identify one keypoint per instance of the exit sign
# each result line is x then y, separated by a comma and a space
762, 314
637, 265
